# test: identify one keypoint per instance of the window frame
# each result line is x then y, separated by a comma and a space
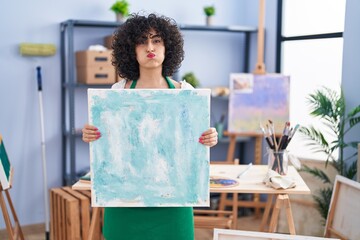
280, 38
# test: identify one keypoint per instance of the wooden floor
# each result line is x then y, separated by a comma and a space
37, 231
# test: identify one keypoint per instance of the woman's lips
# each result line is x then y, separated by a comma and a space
151, 55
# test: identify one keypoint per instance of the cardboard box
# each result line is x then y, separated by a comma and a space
108, 42
96, 75
93, 58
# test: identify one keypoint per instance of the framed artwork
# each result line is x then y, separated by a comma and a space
343, 216
5, 167
149, 152
254, 99
228, 234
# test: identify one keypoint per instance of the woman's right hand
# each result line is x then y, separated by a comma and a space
90, 133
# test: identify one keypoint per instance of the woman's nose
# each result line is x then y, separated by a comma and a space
150, 47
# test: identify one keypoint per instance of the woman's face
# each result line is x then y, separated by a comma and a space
150, 50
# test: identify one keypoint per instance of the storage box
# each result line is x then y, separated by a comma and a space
93, 58
70, 214
96, 75
108, 42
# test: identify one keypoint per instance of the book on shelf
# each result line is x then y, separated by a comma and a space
85, 178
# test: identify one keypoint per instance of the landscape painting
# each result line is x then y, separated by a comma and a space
255, 99
149, 153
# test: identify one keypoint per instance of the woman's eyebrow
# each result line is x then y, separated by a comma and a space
154, 36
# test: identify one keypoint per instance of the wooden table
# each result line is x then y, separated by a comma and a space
250, 182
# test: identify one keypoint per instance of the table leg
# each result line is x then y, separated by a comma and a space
275, 214
235, 210
289, 215
282, 199
266, 212
231, 149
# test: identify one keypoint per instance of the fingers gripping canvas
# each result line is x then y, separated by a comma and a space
149, 152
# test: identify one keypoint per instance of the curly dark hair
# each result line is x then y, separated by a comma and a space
128, 34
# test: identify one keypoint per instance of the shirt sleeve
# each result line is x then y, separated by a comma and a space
119, 85
185, 85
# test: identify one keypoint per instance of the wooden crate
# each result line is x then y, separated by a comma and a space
70, 213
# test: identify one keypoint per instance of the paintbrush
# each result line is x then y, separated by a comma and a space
272, 130
266, 137
284, 137
245, 171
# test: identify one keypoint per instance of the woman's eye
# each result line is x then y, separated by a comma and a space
157, 40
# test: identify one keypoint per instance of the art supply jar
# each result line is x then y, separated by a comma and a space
278, 161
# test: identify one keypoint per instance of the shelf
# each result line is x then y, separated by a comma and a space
185, 27
90, 23
220, 97
235, 28
82, 85
238, 139
77, 133
70, 87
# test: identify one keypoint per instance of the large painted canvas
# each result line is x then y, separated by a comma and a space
149, 152
254, 99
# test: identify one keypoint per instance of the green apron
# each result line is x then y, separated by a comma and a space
149, 223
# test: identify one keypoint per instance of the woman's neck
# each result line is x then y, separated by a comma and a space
151, 79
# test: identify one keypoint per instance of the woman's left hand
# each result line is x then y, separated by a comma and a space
209, 137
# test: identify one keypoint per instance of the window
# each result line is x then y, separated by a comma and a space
309, 50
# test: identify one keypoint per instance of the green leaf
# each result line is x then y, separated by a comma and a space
351, 171
317, 173
121, 7
323, 201
209, 10
354, 111
353, 121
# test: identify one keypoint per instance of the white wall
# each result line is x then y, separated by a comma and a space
351, 60
211, 56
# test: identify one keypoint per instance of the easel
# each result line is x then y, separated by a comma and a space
13, 232
259, 69
257, 160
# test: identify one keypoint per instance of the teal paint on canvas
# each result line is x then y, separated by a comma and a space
149, 154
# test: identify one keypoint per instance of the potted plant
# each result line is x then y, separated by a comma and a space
191, 79
209, 12
329, 107
121, 9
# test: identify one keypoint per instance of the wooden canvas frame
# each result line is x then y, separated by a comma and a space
344, 211
149, 151
250, 105
6, 170
225, 234
358, 164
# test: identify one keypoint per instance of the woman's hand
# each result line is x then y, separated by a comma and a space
209, 137
90, 133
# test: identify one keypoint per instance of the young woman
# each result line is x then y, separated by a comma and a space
148, 49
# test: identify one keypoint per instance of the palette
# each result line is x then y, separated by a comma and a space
221, 182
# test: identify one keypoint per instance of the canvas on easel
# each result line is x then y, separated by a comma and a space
5, 167
5, 181
254, 99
